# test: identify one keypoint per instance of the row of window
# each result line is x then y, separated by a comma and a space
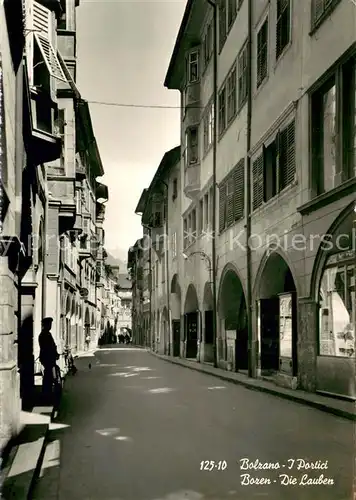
232, 197
274, 169
199, 220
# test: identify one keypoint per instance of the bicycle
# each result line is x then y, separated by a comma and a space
69, 361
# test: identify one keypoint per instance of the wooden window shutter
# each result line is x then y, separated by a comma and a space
287, 166
318, 9
230, 201
257, 183
239, 189
42, 20
222, 207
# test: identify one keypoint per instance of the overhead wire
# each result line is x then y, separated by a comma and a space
148, 106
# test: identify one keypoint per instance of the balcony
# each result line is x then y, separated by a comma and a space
80, 170
78, 224
192, 111
84, 247
192, 181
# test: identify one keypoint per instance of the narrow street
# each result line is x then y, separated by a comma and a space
133, 427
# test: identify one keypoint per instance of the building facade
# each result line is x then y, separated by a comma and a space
285, 191
157, 308
124, 294
50, 197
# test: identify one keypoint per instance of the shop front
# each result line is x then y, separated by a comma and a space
337, 319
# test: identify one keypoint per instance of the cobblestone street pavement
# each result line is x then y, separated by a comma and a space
133, 427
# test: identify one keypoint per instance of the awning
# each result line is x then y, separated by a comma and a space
101, 192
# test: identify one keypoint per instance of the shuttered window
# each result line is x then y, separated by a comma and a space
242, 75
50, 58
257, 182
42, 20
222, 207
239, 190
283, 27
222, 23
320, 8
230, 201
262, 53
287, 167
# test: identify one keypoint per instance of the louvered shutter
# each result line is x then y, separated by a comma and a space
287, 167
230, 201
257, 183
222, 207
42, 21
318, 9
239, 189
42, 24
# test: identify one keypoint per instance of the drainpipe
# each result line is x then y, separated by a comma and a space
215, 143
251, 341
167, 274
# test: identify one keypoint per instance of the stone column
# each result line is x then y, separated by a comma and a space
28, 347
10, 405
307, 343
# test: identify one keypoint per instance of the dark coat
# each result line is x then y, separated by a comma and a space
48, 349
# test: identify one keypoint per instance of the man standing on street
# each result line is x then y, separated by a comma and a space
48, 355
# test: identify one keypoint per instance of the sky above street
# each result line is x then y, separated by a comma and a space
124, 49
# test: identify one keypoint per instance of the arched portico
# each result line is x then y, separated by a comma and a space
276, 295
233, 342
68, 312
333, 290
207, 345
165, 330
176, 314
191, 322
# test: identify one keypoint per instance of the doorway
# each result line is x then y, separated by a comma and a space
176, 337
192, 334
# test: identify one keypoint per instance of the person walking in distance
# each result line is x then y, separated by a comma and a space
48, 355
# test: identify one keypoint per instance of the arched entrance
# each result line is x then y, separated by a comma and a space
165, 334
334, 288
86, 324
73, 325
68, 319
277, 317
191, 319
176, 313
233, 343
207, 345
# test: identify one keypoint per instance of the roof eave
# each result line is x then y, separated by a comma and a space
169, 81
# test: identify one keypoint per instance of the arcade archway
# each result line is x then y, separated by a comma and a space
191, 320
233, 343
176, 314
207, 346
277, 317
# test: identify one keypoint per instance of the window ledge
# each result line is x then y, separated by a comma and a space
282, 54
316, 24
266, 205
325, 199
261, 86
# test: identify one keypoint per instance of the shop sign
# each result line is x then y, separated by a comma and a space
341, 257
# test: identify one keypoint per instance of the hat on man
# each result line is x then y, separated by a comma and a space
47, 320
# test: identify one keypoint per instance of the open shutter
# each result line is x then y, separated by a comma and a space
222, 207
257, 185
42, 21
230, 202
239, 189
